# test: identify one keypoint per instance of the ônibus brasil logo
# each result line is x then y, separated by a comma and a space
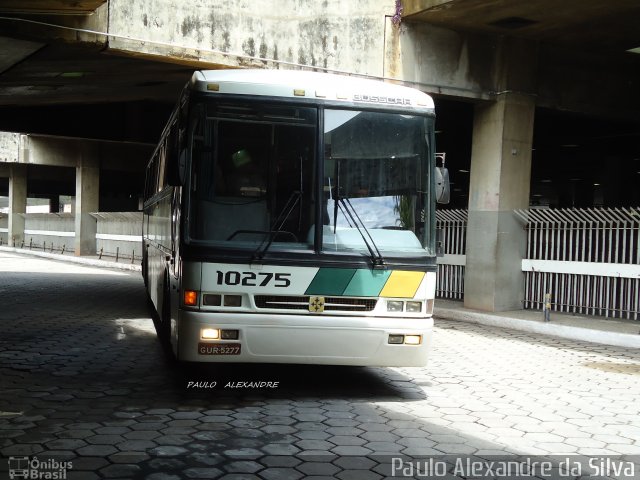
33, 468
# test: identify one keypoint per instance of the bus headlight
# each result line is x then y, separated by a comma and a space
395, 306
414, 307
412, 339
210, 333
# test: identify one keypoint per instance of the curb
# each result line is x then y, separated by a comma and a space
564, 331
92, 262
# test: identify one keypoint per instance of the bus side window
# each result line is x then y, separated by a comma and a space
151, 183
162, 167
207, 179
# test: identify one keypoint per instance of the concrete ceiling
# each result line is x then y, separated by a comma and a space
40, 67
45, 65
55, 73
595, 25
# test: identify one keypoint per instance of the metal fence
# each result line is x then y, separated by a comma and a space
583, 235
587, 259
451, 266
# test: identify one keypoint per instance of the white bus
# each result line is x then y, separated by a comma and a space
289, 218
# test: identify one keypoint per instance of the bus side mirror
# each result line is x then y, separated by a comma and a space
443, 187
176, 170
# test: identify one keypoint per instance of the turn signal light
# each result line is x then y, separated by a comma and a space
190, 298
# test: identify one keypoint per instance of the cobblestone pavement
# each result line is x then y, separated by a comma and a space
83, 379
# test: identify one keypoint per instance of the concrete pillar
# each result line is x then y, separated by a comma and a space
86, 201
17, 203
499, 183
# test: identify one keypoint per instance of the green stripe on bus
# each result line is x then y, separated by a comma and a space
330, 281
367, 283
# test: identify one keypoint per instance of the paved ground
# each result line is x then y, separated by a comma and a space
84, 380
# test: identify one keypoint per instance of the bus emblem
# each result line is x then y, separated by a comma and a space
316, 304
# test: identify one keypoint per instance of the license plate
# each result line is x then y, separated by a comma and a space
219, 348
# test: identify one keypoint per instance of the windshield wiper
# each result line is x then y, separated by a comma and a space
345, 206
278, 224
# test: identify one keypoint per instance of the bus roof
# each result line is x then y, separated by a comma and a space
310, 85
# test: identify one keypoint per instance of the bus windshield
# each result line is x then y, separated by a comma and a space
254, 185
375, 178
252, 170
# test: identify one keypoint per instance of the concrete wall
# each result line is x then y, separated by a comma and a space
53, 223
4, 225
359, 37
123, 224
330, 34
469, 65
440, 60
126, 225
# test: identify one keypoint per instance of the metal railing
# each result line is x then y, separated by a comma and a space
451, 266
587, 259
583, 235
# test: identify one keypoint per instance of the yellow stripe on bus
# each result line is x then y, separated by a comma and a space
402, 284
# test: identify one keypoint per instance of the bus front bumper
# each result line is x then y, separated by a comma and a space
304, 339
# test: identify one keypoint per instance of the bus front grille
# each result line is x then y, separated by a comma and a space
333, 304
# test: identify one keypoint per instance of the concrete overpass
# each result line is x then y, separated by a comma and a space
509, 78
454, 47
